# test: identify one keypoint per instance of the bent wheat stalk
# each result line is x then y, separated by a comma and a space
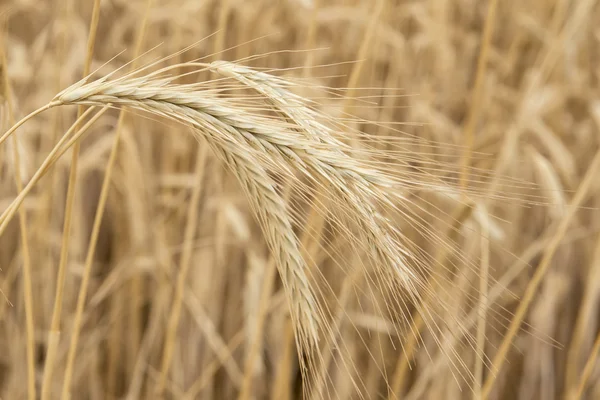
252, 144
311, 147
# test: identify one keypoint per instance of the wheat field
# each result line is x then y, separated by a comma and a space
299, 199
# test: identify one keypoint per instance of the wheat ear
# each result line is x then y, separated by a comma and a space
245, 140
237, 139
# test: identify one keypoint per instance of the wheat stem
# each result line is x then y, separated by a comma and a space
474, 109
54, 332
77, 322
27, 276
52, 157
184, 266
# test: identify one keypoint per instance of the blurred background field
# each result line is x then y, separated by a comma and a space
509, 87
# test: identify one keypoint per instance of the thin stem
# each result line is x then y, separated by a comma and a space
64, 253
311, 38
77, 322
473, 115
54, 333
27, 289
135, 293
23, 120
8, 214
186, 256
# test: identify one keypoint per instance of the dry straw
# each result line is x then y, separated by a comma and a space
250, 144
